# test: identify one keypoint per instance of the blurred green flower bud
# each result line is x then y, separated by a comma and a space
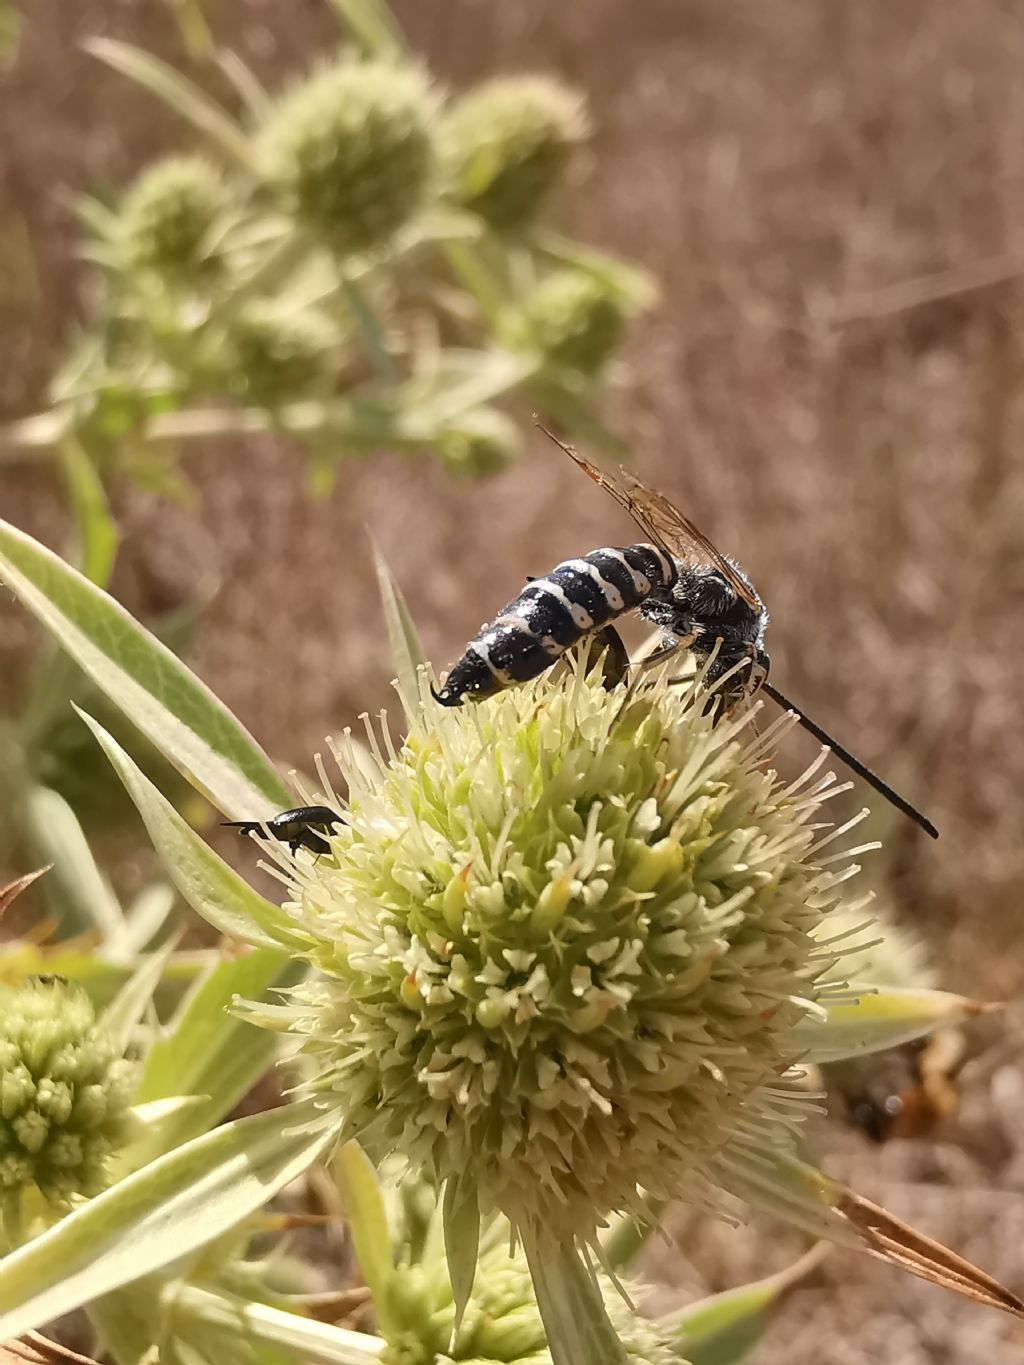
350, 151
484, 442
275, 357
507, 145
573, 319
64, 1091
168, 217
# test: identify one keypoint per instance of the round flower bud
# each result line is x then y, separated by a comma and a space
501, 1322
507, 145
64, 1091
350, 151
273, 358
484, 442
573, 320
168, 216
563, 938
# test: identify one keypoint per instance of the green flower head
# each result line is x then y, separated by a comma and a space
169, 215
573, 319
561, 941
64, 1091
484, 442
506, 146
273, 357
350, 151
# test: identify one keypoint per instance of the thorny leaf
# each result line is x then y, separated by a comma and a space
12, 890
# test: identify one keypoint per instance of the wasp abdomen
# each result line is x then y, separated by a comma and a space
554, 613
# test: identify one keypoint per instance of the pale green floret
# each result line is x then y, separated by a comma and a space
506, 146
168, 217
350, 151
501, 1322
573, 319
64, 1092
877, 949
562, 941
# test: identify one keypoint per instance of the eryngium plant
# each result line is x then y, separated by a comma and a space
64, 1093
340, 270
561, 944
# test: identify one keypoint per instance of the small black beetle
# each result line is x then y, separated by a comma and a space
298, 828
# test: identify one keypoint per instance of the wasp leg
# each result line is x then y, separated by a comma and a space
663, 652
614, 659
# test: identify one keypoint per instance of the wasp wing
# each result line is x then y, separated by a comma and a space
663, 522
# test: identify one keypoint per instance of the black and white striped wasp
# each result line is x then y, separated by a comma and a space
701, 602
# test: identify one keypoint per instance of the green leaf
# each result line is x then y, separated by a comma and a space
406, 650
97, 533
478, 378
634, 286
144, 919
100, 979
211, 887
364, 1206
159, 1214
879, 1019
577, 1326
372, 24
209, 1052
722, 1329
461, 1215
180, 94
129, 1321
129, 1006
300, 1338
76, 886
169, 704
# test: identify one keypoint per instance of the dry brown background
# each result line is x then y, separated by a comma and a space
831, 195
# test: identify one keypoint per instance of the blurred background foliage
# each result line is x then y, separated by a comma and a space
828, 198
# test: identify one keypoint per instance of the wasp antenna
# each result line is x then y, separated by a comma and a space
854, 764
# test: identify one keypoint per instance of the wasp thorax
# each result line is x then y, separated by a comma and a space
562, 942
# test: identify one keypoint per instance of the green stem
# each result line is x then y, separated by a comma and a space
372, 25
11, 1222
469, 268
373, 333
